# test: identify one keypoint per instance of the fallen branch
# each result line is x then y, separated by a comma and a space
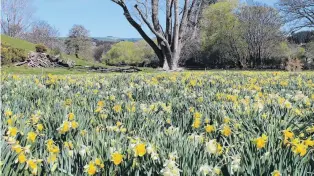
20, 63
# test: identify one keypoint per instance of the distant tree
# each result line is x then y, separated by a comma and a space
299, 13
239, 35
309, 50
42, 32
301, 37
107, 46
98, 52
261, 27
78, 41
16, 16
223, 38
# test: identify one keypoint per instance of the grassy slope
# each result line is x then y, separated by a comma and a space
22, 44
18, 43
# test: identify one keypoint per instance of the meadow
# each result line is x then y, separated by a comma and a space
189, 123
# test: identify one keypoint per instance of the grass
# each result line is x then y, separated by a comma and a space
55, 71
39, 71
18, 43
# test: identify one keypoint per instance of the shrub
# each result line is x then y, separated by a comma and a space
40, 48
129, 53
294, 65
10, 55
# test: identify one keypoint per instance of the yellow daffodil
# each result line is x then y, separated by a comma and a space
116, 158
91, 168
71, 116
261, 141
74, 124
117, 108
22, 158
40, 127
140, 149
12, 131
226, 131
210, 128
276, 173
31, 136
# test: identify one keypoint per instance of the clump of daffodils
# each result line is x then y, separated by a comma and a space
226, 130
69, 148
299, 147
260, 142
171, 130
170, 166
33, 164
94, 167
117, 128
196, 138
197, 120
209, 170
69, 124
235, 164
21, 152
53, 151
213, 147
151, 150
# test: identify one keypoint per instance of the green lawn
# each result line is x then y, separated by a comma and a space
38, 71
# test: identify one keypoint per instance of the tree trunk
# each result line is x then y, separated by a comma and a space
175, 59
170, 40
165, 65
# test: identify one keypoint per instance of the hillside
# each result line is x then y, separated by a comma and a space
27, 46
18, 43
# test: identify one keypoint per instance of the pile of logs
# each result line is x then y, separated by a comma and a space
36, 59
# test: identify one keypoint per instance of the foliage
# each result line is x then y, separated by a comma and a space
223, 37
246, 37
129, 53
191, 123
41, 48
10, 54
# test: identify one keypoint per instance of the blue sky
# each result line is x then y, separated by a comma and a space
101, 17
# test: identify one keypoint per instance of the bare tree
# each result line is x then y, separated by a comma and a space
78, 41
299, 13
181, 21
261, 31
98, 52
44, 33
16, 16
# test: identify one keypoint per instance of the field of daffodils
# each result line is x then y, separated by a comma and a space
169, 124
